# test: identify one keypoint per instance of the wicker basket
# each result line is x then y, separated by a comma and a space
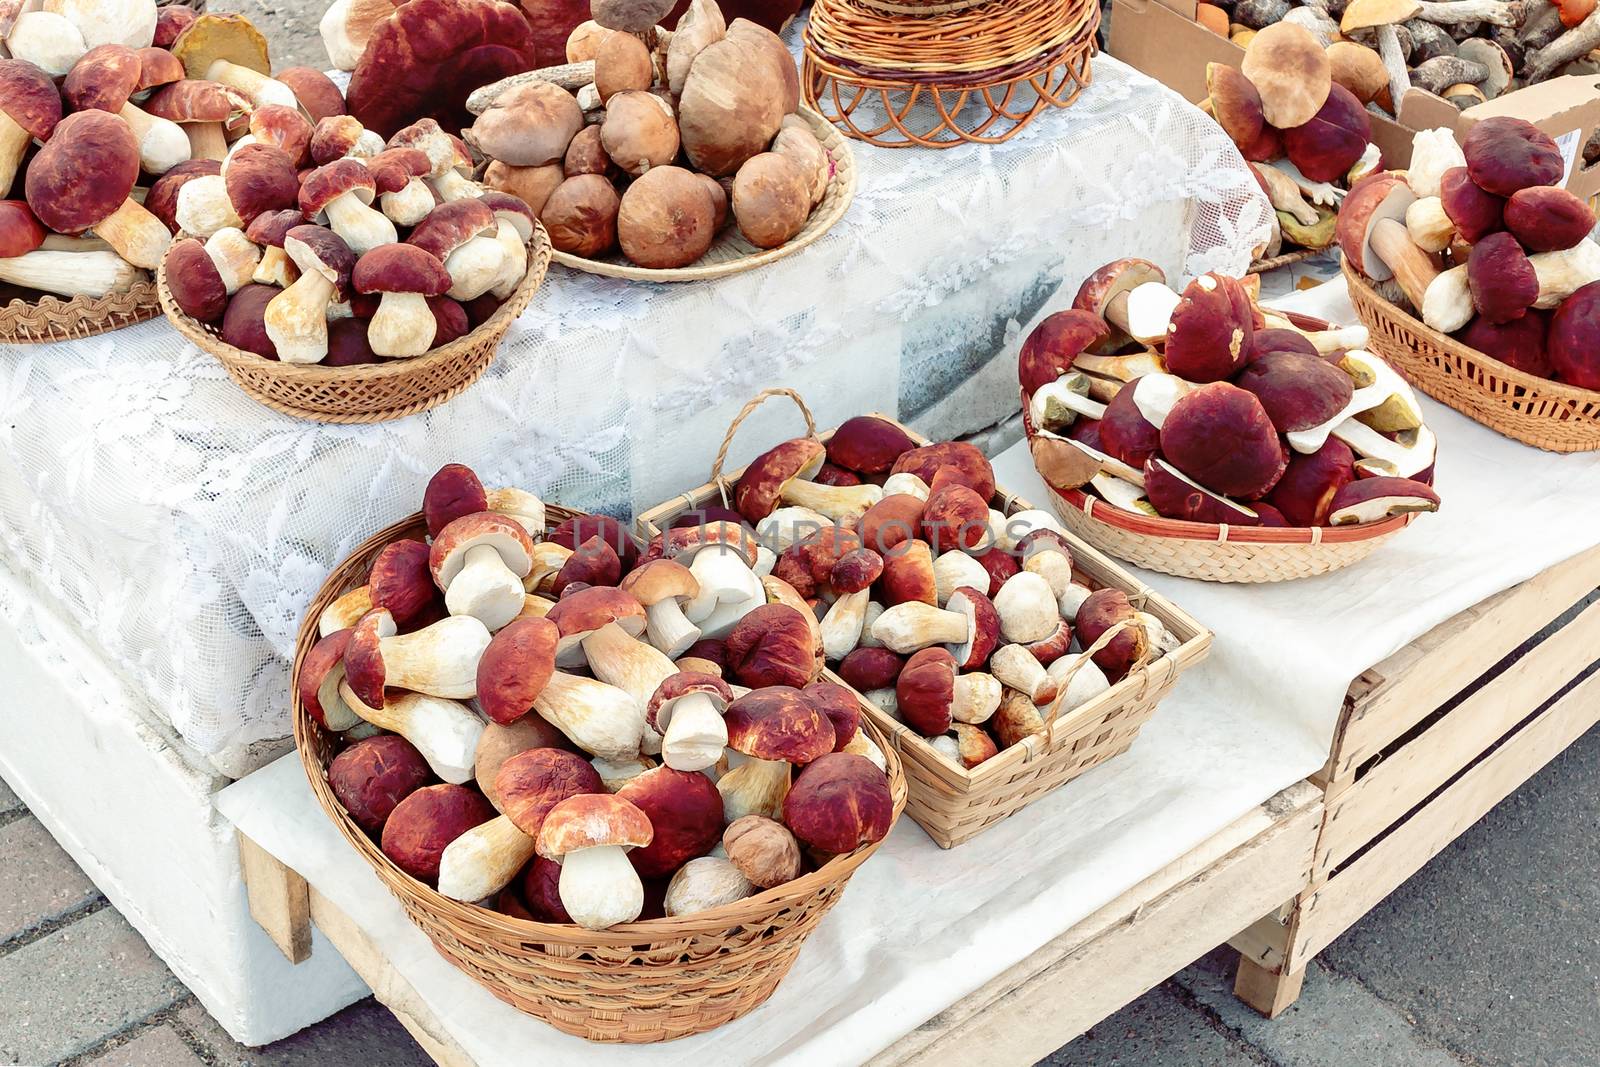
954, 804
369, 392
57, 318
1523, 406
639, 982
938, 73
731, 253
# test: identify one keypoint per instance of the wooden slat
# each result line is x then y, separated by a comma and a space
1403, 779
387, 984
1268, 992
278, 900
1335, 906
1128, 946
1409, 686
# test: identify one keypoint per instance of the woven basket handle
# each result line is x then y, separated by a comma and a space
744, 413
1086, 656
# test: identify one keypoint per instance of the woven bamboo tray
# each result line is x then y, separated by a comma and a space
369, 392
954, 804
57, 318
635, 983
731, 253
908, 73
1522, 406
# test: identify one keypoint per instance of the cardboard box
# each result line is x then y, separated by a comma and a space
1161, 38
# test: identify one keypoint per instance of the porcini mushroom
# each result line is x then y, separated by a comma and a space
426, 821
1290, 70
341, 193
460, 234
397, 175
781, 473
851, 578
445, 731
297, 318
202, 109
590, 835
30, 108
81, 179
479, 562
662, 586
439, 660
405, 276
687, 710
774, 727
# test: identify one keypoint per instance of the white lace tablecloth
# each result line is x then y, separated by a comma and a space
185, 527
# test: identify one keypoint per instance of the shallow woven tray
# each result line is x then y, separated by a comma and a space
954, 804
1522, 406
58, 318
636, 983
370, 392
731, 253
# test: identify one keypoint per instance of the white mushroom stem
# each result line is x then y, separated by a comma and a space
1563, 273
1326, 342
473, 267
1394, 63
868, 618
599, 887
440, 660
1071, 599
1430, 228
727, 614
976, 697
599, 718
345, 612
548, 559
485, 588
203, 206
955, 569
841, 626
70, 273
362, 228
786, 526
1015, 666
47, 40
696, 734
297, 318
1081, 678
1051, 565
634, 667
234, 256
754, 787
444, 731
862, 745
513, 260
906, 484
261, 89
482, 861
723, 575
409, 204
206, 140
668, 629
13, 145
404, 326
162, 143
842, 503
275, 268
451, 185
1447, 303
907, 627
138, 236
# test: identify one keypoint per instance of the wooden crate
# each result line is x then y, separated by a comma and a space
1102, 963
1429, 740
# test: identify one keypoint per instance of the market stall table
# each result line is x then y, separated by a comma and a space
161, 534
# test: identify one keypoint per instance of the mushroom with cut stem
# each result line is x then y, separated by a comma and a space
780, 475
662, 586
406, 277
341, 193
687, 710
451, 165
514, 223
30, 108
397, 175
81, 180
851, 578
445, 731
438, 660
772, 728
590, 834
26, 260
600, 625
460, 233
1373, 499
719, 555
931, 693
297, 318
1018, 668
268, 231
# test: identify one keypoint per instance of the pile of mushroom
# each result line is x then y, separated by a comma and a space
1466, 51
1304, 133
125, 101
1477, 240
1201, 406
324, 244
886, 560
530, 720
649, 142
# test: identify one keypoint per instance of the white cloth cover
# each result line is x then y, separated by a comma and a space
918, 928
186, 528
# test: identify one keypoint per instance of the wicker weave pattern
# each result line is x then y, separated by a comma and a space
54, 318
1522, 406
898, 74
952, 803
731, 253
638, 982
372, 392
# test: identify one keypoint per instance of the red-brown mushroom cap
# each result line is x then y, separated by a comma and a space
244, 323
333, 137
908, 575
260, 177
449, 320
325, 251
534, 781
284, 128
506, 535
424, 823
1125, 434
20, 232
1505, 155
393, 168
1546, 219
196, 285
400, 580
685, 810
1235, 104
1051, 347
29, 97
891, 521
83, 173
1117, 277
372, 777
1296, 390
965, 462
839, 705
451, 225
512, 209
839, 803
771, 646
1222, 437
660, 579
592, 563
592, 820
1380, 195
868, 444
270, 227
855, 571
1475, 213
1307, 487
1501, 278
1176, 496
157, 67
925, 689
1099, 612
709, 650
363, 656
1210, 329
871, 667
1374, 499
315, 91
984, 623
162, 199
541, 891
833, 474
682, 684
1520, 343
1574, 339
1052, 646
1000, 564
191, 100
453, 491
400, 268
516, 667
428, 56
326, 654
332, 180
684, 542
1326, 147
581, 612
171, 21
760, 488
102, 79
954, 517
573, 532
777, 723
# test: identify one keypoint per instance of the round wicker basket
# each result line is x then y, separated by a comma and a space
636, 983
1522, 406
58, 318
731, 253
369, 392
938, 73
